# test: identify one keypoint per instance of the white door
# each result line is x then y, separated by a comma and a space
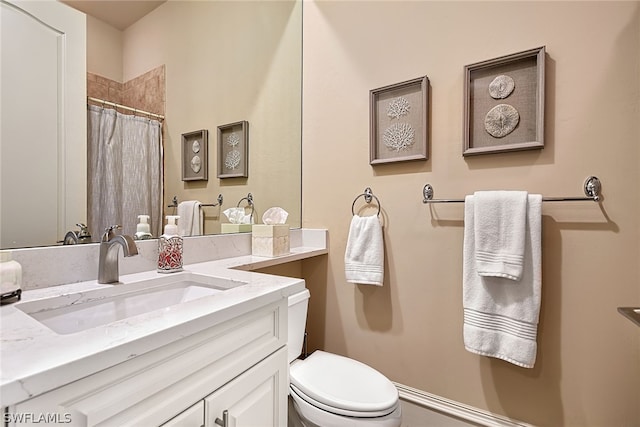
42, 121
257, 398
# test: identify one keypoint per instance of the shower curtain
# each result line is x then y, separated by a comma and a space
124, 171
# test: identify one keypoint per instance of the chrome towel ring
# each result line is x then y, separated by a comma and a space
368, 197
249, 200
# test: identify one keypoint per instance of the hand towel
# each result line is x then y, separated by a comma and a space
500, 218
191, 220
500, 317
364, 256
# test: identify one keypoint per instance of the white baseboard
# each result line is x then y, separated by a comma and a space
455, 409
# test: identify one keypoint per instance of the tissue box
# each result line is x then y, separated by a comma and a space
235, 228
270, 240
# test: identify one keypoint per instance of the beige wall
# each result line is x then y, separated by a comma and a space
588, 367
104, 50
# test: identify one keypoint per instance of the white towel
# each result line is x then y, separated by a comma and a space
364, 256
500, 219
500, 317
191, 218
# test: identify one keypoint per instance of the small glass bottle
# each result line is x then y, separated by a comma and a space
170, 248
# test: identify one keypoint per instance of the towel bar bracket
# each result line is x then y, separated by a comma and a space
427, 193
220, 199
592, 188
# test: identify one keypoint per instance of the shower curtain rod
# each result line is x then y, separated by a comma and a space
124, 107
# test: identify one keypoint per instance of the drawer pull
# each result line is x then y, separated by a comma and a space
224, 422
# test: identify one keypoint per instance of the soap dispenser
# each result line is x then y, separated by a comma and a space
143, 230
170, 247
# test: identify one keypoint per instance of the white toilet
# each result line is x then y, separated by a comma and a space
327, 390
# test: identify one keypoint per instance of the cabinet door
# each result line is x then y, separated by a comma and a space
192, 417
256, 398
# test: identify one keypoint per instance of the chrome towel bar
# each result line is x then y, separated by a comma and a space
592, 189
220, 199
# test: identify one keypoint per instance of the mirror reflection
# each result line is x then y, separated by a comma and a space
196, 67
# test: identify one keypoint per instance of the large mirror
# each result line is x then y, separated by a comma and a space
221, 62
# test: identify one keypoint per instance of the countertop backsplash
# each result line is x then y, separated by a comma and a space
58, 265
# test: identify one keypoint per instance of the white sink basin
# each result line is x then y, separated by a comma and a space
76, 312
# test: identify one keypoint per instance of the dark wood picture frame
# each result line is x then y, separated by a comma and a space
504, 103
233, 150
399, 116
195, 155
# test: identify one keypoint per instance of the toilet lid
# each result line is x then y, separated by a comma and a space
341, 384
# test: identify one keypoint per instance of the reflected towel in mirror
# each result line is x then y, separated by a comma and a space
191, 222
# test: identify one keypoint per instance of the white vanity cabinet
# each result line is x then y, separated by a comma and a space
239, 366
192, 417
253, 399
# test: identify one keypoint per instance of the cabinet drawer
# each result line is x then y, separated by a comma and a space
192, 417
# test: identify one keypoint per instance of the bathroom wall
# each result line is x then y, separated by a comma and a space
588, 367
104, 50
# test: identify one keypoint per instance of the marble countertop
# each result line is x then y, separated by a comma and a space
34, 359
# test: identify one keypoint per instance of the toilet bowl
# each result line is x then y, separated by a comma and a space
328, 390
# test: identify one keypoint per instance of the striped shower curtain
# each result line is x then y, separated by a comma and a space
124, 171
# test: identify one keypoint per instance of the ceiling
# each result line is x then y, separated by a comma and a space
119, 14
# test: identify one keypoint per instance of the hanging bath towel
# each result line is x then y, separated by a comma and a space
191, 220
501, 315
500, 224
364, 256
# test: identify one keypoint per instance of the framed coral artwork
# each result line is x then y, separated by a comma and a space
399, 125
233, 150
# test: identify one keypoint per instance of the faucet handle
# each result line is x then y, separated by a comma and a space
108, 232
84, 231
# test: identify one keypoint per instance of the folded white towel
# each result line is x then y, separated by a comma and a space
500, 218
364, 256
191, 220
500, 318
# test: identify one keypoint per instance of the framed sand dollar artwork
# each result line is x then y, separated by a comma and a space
504, 103
195, 155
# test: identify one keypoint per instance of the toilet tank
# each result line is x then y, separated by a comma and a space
297, 313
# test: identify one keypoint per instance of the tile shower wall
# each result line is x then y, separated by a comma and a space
145, 92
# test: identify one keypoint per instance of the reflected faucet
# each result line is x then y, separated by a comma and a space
108, 261
76, 237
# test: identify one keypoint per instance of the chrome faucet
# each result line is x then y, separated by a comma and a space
76, 237
108, 262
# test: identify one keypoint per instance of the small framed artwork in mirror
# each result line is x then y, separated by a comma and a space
504, 103
195, 155
233, 150
399, 122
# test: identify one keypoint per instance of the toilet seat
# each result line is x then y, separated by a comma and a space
343, 386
